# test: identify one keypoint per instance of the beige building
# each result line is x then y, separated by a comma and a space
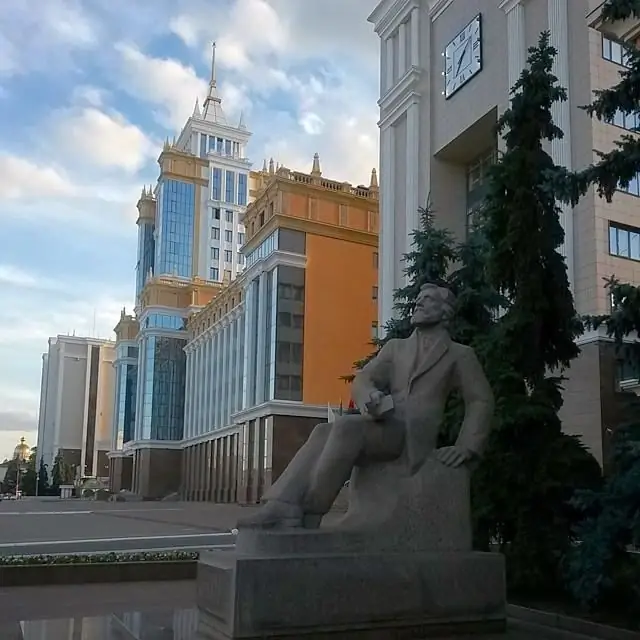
76, 403
446, 67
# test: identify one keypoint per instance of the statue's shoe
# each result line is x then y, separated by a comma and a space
274, 514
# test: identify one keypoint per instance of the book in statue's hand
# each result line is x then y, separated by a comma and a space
381, 408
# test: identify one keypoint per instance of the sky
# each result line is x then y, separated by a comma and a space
90, 89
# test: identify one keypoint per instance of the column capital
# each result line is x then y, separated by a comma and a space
509, 5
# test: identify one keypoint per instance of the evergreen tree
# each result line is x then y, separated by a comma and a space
10, 477
28, 476
523, 485
43, 479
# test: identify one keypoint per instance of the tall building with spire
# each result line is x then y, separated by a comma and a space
189, 239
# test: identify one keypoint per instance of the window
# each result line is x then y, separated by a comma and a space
227, 274
240, 258
216, 214
236, 149
214, 273
241, 238
242, 189
628, 121
376, 259
212, 142
216, 184
228, 256
215, 253
227, 147
374, 330
374, 293
262, 219
270, 209
228, 236
614, 51
215, 233
229, 215
219, 145
624, 241
203, 145
230, 187
633, 188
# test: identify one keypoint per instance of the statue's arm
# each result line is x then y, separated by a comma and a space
374, 376
478, 401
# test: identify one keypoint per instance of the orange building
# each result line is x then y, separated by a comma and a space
265, 357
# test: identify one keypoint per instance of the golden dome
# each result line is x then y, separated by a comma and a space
22, 451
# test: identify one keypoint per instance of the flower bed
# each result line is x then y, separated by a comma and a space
99, 567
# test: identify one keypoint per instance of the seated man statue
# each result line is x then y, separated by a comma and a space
401, 394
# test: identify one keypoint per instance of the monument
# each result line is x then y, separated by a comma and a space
401, 560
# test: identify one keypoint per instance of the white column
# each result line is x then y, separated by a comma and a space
262, 321
391, 80
387, 260
415, 38
402, 49
206, 383
217, 411
187, 394
561, 149
516, 41
210, 391
233, 365
224, 336
384, 82
413, 168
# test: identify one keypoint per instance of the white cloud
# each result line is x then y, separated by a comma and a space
169, 85
104, 139
24, 179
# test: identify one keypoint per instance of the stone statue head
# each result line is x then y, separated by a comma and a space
435, 305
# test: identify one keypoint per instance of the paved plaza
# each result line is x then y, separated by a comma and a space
34, 526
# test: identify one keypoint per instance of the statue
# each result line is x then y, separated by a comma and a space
401, 394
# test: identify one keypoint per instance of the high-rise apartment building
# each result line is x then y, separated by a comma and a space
76, 404
446, 68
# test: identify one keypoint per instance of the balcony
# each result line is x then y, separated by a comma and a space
622, 30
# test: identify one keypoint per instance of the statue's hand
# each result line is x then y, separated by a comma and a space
454, 456
375, 398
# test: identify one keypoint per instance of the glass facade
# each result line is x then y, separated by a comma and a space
146, 254
289, 343
265, 249
126, 366
216, 184
242, 189
163, 321
163, 388
230, 187
175, 231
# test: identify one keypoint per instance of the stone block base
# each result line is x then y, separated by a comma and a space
372, 596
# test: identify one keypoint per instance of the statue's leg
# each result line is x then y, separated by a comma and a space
284, 499
345, 444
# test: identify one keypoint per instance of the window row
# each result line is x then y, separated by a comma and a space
614, 51
214, 274
214, 144
628, 121
229, 191
624, 241
228, 235
228, 214
228, 255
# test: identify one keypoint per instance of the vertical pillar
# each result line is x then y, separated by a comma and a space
516, 42
413, 169
387, 264
389, 71
188, 394
260, 355
402, 49
225, 373
384, 83
415, 37
249, 337
561, 149
211, 391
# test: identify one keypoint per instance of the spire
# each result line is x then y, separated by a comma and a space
374, 179
271, 166
264, 166
196, 109
315, 171
241, 124
212, 108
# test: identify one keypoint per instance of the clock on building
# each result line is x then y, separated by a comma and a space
463, 57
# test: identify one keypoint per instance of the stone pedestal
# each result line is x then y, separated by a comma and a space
335, 592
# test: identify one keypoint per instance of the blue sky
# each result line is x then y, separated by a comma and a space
89, 89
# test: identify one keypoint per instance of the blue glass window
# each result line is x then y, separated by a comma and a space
240, 258
229, 215
126, 381
216, 184
228, 256
219, 145
215, 233
228, 236
215, 253
214, 273
242, 189
146, 254
624, 241
230, 187
203, 145
174, 250
227, 147
164, 321
212, 143
241, 238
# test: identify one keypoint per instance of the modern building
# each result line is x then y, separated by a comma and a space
190, 232
446, 68
266, 356
76, 404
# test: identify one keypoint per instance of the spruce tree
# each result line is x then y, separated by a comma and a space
523, 485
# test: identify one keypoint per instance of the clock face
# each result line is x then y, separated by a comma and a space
463, 57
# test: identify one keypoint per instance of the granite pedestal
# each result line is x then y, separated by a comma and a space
399, 565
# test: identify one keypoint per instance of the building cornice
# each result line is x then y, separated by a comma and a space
509, 5
281, 408
135, 445
405, 86
438, 7
399, 109
387, 21
210, 435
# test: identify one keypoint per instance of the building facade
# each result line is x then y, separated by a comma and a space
266, 355
76, 404
446, 68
